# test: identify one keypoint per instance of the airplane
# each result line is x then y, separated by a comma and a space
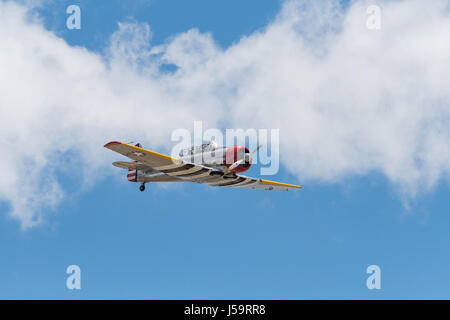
206, 164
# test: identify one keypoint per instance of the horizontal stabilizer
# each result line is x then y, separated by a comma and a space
130, 165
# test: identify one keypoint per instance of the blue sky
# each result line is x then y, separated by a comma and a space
196, 242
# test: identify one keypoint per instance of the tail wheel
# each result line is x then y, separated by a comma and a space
142, 187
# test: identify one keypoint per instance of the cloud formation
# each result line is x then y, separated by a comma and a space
348, 100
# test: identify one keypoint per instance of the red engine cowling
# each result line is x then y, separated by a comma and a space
235, 153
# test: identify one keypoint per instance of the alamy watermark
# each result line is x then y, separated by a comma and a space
374, 280
374, 17
74, 20
262, 144
73, 281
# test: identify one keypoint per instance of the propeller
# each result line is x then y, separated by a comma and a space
256, 150
247, 158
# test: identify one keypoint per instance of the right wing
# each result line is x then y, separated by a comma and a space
251, 183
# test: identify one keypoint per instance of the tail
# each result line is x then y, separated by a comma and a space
132, 174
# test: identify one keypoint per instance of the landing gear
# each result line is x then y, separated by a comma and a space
142, 187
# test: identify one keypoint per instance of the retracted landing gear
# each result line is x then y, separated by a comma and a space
142, 187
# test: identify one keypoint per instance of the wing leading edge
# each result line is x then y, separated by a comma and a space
186, 171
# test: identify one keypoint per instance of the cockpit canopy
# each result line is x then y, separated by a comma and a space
205, 147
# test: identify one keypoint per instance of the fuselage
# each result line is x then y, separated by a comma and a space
219, 158
226, 160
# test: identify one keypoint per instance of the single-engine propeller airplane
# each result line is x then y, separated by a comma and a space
207, 164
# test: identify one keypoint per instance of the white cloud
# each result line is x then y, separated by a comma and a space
347, 100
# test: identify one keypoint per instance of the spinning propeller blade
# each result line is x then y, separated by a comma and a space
247, 157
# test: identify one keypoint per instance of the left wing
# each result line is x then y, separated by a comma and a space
170, 166
193, 172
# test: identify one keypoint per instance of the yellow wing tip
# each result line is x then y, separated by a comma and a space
280, 184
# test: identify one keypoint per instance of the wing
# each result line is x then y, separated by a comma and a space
170, 166
252, 183
189, 171
151, 175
